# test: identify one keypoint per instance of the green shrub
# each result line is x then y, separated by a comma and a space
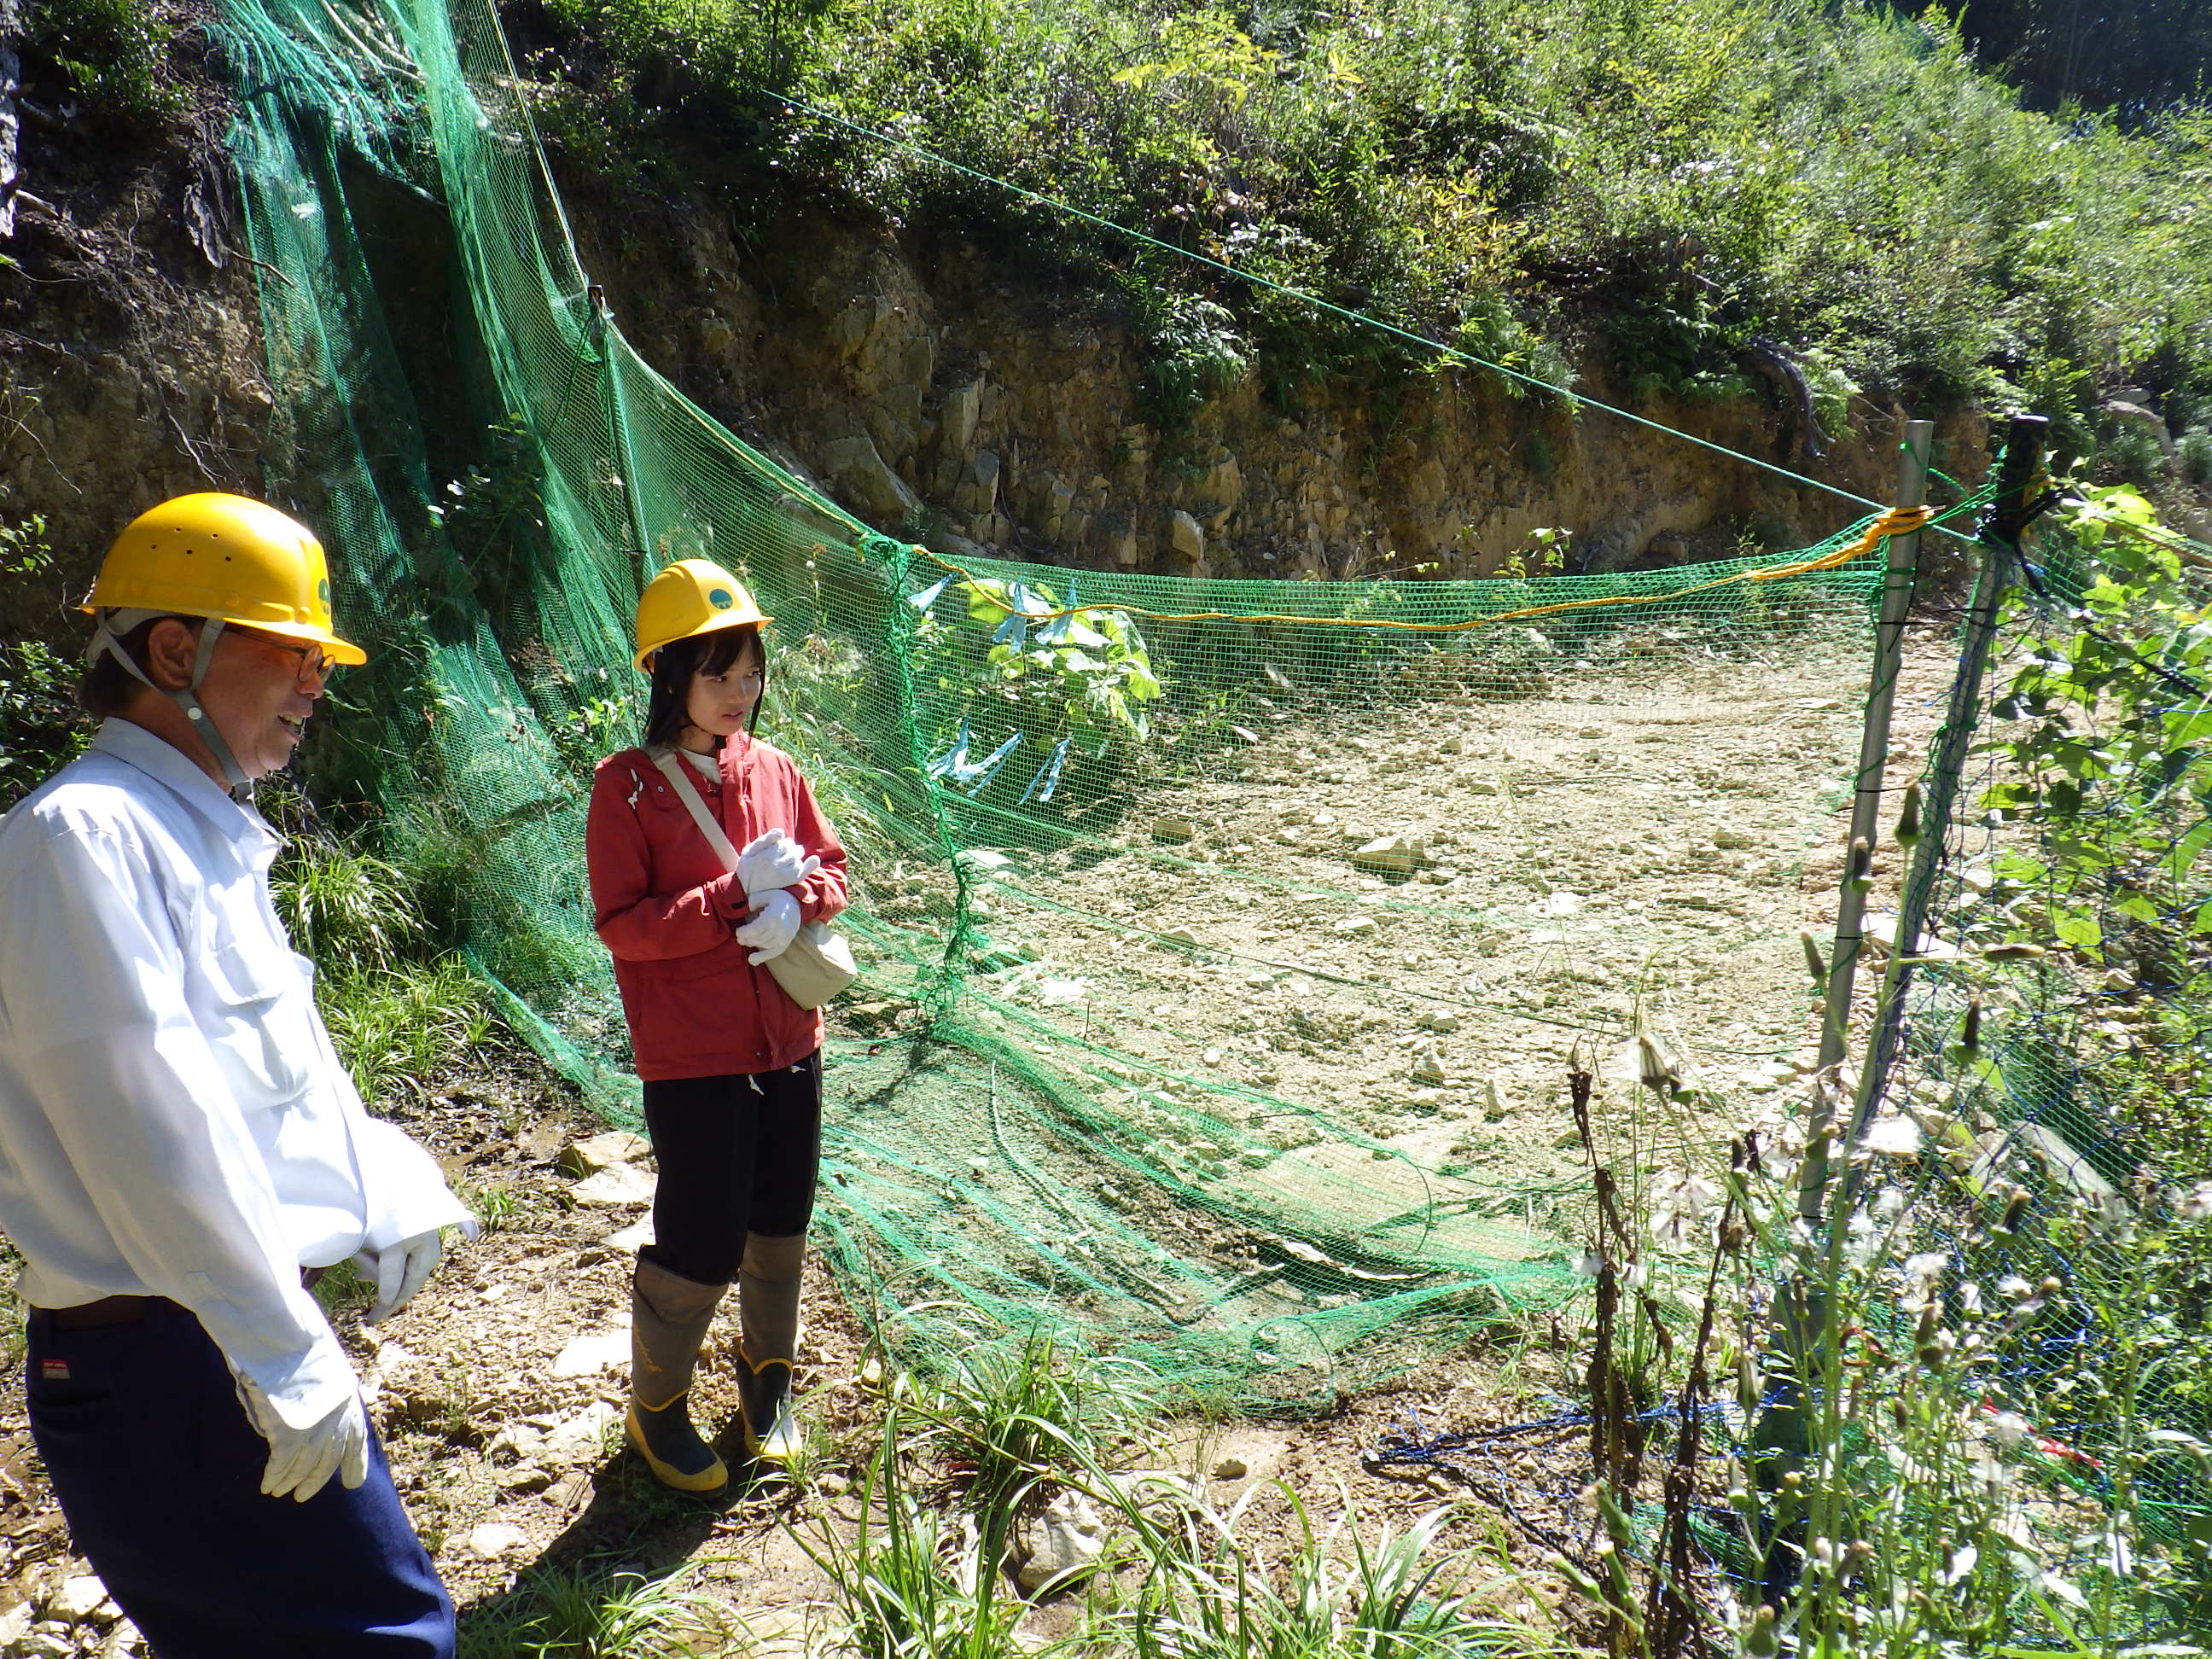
1195, 351
395, 1027
2132, 455
41, 729
1689, 174
1070, 693
115, 53
2192, 453
352, 913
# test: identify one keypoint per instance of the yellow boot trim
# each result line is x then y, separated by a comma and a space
713, 1478
779, 1440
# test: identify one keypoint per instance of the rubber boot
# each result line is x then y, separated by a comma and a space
767, 1305
669, 1317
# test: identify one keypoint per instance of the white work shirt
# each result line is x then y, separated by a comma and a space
173, 1120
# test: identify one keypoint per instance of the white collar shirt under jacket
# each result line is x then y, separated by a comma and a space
173, 1120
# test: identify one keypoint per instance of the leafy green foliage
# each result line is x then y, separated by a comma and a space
342, 1290
1080, 680
24, 550
396, 1028
1692, 176
1197, 352
114, 52
42, 728
2192, 455
1022, 1420
496, 1208
1210, 1593
2114, 760
2107, 773
1027, 1407
591, 731
909, 1580
2132, 456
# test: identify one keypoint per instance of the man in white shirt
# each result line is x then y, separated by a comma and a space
179, 1146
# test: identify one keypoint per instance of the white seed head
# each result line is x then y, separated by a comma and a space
1892, 1136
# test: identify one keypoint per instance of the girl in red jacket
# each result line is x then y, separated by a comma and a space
731, 1066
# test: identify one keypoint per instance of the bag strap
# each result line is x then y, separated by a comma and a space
688, 793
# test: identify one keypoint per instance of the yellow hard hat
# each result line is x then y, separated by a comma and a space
692, 596
226, 557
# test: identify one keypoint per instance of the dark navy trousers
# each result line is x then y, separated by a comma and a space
158, 1469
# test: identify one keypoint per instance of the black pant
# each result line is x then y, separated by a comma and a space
159, 1474
737, 1155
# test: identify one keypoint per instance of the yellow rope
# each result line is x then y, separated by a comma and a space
1897, 521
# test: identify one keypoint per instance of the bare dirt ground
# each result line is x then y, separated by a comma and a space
1657, 837
1643, 849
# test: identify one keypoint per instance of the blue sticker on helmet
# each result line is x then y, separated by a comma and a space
721, 598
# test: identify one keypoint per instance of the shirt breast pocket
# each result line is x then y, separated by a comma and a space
259, 1023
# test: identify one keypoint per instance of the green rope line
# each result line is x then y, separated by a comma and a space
1361, 317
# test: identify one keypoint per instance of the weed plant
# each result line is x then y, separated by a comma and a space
1940, 1454
352, 912
399, 1011
1018, 1416
396, 1027
1204, 1590
343, 1290
580, 1613
41, 727
497, 1209
911, 1581
1059, 700
1177, 1577
2192, 456
1960, 1356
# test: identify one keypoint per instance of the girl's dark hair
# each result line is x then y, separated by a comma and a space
674, 665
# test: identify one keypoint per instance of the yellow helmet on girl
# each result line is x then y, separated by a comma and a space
692, 596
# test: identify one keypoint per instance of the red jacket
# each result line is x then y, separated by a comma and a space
666, 908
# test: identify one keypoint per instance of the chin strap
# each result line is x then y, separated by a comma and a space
107, 634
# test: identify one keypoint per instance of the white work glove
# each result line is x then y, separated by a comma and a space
771, 860
774, 924
398, 1271
302, 1460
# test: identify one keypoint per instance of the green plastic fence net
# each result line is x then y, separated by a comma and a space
1225, 940
2054, 1042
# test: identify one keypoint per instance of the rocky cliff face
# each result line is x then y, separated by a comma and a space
939, 399
130, 348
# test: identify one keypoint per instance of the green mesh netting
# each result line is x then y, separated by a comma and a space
2083, 1099
1155, 1040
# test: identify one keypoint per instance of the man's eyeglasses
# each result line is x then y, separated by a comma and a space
315, 663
